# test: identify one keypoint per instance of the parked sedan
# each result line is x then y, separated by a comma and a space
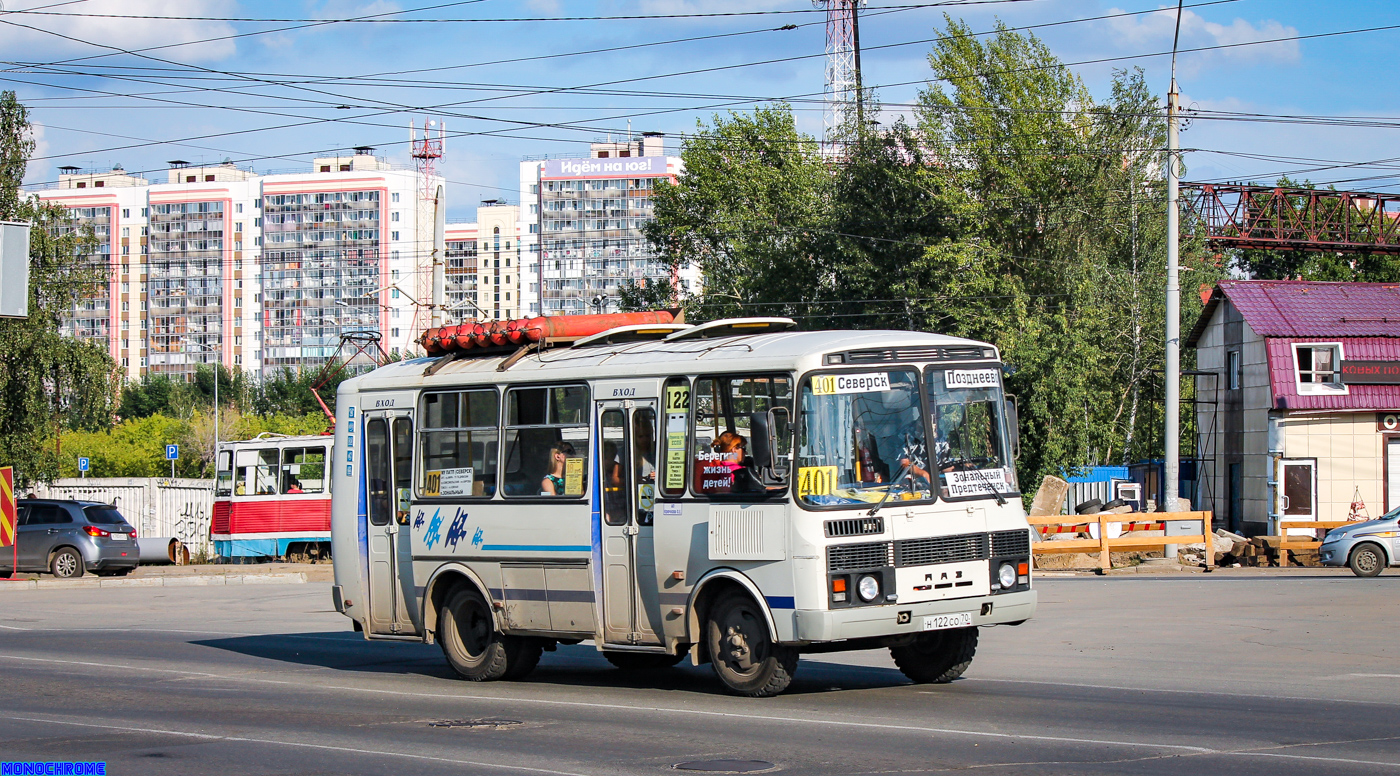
1366, 547
68, 538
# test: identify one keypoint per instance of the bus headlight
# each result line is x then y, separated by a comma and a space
1006, 575
868, 587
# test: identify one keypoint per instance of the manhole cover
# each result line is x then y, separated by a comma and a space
475, 723
726, 766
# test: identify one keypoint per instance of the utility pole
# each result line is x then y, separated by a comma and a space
1172, 473
439, 304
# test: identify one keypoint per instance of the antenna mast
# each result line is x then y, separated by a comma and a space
843, 86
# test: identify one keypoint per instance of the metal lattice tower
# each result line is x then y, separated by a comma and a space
426, 150
842, 66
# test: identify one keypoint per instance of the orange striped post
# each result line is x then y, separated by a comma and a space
9, 513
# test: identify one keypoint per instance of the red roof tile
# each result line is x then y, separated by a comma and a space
1304, 308
1284, 387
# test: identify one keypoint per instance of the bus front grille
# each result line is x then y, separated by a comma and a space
855, 526
854, 557
1006, 543
940, 549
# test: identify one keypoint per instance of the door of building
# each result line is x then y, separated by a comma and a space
1392, 472
1298, 490
627, 477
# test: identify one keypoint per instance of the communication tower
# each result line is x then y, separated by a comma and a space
843, 85
426, 150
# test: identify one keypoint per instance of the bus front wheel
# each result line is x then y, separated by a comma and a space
473, 646
743, 653
937, 657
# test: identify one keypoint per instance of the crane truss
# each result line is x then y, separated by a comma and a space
1275, 218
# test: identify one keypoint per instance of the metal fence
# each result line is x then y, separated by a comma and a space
157, 506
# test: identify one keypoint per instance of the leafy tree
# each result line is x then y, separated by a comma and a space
1018, 210
48, 382
754, 187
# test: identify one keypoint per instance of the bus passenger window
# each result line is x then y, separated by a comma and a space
223, 484
377, 471
614, 459
721, 458
459, 444
245, 466
546, 441
644, 463
403, 469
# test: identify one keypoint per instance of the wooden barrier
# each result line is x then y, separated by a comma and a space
1104, 545
1286, 543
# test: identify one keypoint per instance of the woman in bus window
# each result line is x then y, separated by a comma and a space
553, 482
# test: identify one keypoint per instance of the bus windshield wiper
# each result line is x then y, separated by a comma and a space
1001, 502
902, 474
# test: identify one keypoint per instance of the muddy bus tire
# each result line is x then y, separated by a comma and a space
473, 646
742, 652
937, 657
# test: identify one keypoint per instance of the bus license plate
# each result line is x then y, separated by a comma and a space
945, 621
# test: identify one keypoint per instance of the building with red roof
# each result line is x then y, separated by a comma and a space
1298, 390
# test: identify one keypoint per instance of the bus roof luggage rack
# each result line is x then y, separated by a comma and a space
733, 327
637, 332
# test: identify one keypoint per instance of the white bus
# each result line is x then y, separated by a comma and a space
738, 491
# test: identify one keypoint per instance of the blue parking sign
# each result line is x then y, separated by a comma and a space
172, 452
82, 464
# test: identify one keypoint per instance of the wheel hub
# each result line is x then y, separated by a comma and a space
736, 648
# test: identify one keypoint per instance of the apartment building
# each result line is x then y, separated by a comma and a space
484, 274
258, 271
581, 225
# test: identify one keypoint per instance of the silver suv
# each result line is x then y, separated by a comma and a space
68, 538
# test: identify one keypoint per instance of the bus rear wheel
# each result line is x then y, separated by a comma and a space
473, 646
745, 658
937, 657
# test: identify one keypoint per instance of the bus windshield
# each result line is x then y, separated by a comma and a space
861, 432
971, 453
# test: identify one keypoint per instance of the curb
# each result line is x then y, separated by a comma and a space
219, 580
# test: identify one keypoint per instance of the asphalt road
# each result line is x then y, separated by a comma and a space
1238, 673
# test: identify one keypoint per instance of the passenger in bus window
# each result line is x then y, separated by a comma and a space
553, 482
294, 486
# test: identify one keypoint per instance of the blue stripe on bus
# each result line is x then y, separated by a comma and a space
536, 547
780, 602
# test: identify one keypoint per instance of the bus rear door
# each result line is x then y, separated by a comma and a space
627, 477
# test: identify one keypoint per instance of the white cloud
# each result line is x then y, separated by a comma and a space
1153, 32
38, 44
37, 173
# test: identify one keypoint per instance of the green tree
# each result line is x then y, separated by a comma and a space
753, 190
48, 382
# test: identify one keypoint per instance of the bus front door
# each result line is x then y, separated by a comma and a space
388, 487
627, 476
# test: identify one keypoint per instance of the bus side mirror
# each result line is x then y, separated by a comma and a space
761, 440
1013, 425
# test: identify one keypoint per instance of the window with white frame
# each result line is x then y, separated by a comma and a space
1318, 367
1232, 370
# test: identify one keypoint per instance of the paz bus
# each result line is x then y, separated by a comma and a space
272, 498
737, 492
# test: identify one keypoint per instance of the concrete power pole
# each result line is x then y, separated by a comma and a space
439, 258
1172, 468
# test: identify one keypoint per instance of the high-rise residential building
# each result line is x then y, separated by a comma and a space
256, 271
581, 223
484, 271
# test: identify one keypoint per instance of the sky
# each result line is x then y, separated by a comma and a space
272, 84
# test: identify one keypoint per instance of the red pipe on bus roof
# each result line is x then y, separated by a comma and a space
519, 331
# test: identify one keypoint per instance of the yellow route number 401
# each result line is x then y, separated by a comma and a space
816, 481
